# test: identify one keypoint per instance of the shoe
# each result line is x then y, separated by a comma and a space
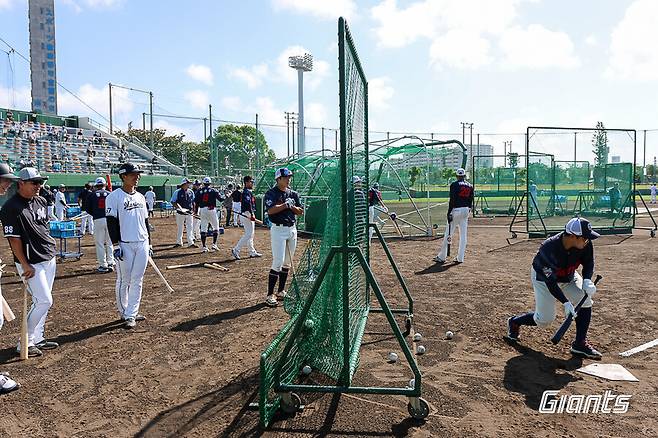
205, 249
193, 245
513, 330
255, 254
214, 247
457, 262
47, 345
111, 267
103, 270
281, 295
271, 301
32, 351
586, 350
130, 323
235, 254
7, 384
139, 317
438, 260
178, 245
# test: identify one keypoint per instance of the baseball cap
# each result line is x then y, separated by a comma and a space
375, 185
284, 171
127, 168
62, 186
7, 172
99, 181
185, 181
579, 226
460, 172
31, 174
207, 180
356, 179
197, 182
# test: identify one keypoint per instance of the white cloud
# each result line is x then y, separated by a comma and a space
197, 99
288, 75
6, 4
173, 129
201, 73
592, 40
253, 76
232, 103
315, 114
633, 48
537, 47
380, 91
98, 99
460, 49
103, 3
17, 98
318, 8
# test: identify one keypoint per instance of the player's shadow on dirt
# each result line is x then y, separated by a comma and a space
217, 318
436, 268
532, 373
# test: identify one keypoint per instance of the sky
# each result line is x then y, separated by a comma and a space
502, 65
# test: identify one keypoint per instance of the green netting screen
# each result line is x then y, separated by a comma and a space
336, 317
499, 184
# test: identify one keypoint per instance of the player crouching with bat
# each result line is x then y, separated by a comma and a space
6, 180
554, 277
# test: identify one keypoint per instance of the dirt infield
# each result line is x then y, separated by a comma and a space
191, 369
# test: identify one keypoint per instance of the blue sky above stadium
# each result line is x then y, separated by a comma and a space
431, 64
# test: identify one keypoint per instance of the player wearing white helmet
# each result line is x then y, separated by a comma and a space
205, 202
460, 205
150, 200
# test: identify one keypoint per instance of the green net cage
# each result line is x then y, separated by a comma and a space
499, 183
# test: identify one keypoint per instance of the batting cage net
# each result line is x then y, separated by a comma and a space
580, 172
499, 182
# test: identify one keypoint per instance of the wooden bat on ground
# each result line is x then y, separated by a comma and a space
157, 271
569, 319
215, 266
191, 265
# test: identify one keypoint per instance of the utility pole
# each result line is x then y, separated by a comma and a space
213, 164
256, 146
110, 88
151, 117
293, 137
290, 116
470, 148
575, 147
143, 121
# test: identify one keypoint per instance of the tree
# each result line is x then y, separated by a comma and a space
513, 159
239, 145
447, 174
414, 173
600, 144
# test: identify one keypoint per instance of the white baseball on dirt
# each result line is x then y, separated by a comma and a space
412, 383
418, 337
420, 349
392, 357
306, 370
449, 334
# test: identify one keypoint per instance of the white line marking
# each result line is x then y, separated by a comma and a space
640, 348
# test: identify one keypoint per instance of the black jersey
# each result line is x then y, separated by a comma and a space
273, 197
48, 196
461, 195
27, 219
236, 196
96, 203
248, 201
206, 197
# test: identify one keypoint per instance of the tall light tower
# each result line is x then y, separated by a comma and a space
301, 64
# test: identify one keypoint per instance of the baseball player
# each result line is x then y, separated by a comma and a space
460, 205
356, 201
196, 222
228, 204
127, 223
183, 200
237, 203
7, 178
247, 219
615, 199
86, 221
150, 200
283, 206
653, 193
25, 223
554, 277
95, 205
205, 202
60, 203
50, 199
374, 202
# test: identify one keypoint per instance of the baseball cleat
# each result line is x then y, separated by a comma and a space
281, 295
235, 254
193, 245
438, 260
255, 254
271, 301
103, 270
214, 247
32, 351
130, 323
47, 345
7, 384
457, 262
513, 330
178, 245
585, 350
205, 249
111, 267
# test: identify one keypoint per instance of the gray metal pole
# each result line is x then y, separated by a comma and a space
143, 121
575, 147
110, 88
288, 132
300, 118
644, 155
151, 117
213, 164
293, 137
323, 140
256, 144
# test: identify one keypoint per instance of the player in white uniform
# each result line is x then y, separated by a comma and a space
7, 384
60, 203
196, 222
183, 201
653, 193
127, 222
150, 200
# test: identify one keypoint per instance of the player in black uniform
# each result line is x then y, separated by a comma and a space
554, 277
95, 206
247, 220
460, 205
86, 222
283, 206
237, 205
205, 203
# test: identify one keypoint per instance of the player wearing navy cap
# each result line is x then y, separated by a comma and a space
183, 200
554, 277
237, 204
95, 205
86, 221
283, 206
127, 223
196, 221
460, 205
247, 219
205, 202
25, 223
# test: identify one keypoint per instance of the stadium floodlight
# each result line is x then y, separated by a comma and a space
301, 63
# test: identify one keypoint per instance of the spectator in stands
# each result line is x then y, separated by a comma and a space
22, 129
91, 166
80, 135
123, 156
10, 116
57, 166
52, 136
97, 137
33, 137
63, 134
107, 161
12, 129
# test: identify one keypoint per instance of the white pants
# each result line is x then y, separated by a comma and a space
86, 224
104, 248
2, 314
60, 213
284, 243
653, 198
208, 216
196, 227
51, 212
247, 238
186, 220
41, 288
545, 302
374, 218
459, 219
130, 276
237, 208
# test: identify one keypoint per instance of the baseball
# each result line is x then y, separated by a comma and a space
309, 324
418, 337
306, 370
412, 383
420, 349
449, 334
392, 357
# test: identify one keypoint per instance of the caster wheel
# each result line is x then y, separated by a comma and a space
513, 235
290, 403
407, 325
419, 412
653, 233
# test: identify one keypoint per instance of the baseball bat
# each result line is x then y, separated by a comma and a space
216, 267
6, 311
259, 222
157, 271
24, 339
187, 265
449, 237
569, 319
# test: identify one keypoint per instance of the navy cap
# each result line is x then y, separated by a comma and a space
579, 226
127, 168
284, 171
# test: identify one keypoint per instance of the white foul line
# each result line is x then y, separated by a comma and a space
640, 348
